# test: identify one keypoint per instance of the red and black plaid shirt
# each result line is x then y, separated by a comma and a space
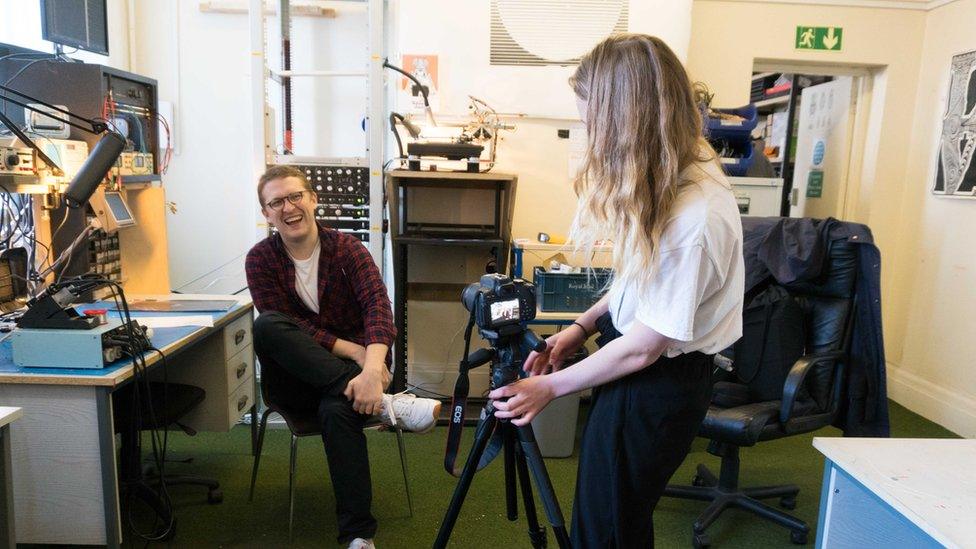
353, 302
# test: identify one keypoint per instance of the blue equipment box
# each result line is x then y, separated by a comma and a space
569, 292
738, 130
58, 348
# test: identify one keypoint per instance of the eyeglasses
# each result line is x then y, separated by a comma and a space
278, 203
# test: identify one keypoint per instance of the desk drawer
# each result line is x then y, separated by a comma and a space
240, 401
240, 367
237, 335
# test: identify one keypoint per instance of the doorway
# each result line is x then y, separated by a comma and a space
812, 129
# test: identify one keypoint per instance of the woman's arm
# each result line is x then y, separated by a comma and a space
560, 346
633, 351
589, 318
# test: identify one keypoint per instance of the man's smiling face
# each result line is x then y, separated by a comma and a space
294, 221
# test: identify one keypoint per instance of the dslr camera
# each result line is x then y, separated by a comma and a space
501, 306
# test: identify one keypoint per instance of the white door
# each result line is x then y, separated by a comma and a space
823, 146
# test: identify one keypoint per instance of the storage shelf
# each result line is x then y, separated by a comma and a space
432, 241
773, 101
147, 178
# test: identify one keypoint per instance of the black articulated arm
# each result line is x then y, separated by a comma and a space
796, 378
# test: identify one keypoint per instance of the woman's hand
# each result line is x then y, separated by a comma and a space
559, 347
527, 397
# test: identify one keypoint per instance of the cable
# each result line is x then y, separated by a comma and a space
396, 134
137, 345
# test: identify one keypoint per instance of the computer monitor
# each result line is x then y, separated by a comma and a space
119, 210
81, 24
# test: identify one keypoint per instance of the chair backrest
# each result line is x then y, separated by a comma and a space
828, 305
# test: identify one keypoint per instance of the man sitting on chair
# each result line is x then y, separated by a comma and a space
325, 327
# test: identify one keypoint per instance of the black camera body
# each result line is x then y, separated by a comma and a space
501, 305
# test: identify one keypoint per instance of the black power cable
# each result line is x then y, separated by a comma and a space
134, 345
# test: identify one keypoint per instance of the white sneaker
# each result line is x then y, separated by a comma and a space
360, 543
409, 412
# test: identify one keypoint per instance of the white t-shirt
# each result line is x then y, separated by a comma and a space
696, 296
307, 279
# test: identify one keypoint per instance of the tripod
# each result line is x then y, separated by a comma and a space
521, 454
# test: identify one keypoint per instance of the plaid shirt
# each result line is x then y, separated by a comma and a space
353, 301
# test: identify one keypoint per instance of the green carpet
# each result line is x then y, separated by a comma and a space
264, 522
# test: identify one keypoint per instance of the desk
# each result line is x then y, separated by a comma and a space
8, 536
554, 318
882, 492
65, 477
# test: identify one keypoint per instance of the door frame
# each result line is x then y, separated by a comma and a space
865, 123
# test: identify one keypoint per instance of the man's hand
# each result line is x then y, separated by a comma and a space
366, 391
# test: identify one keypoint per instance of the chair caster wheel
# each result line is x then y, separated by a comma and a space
215, 496
700, 541
697, 481
788, 502
798, 537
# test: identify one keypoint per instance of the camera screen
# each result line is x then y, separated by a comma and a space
505, 310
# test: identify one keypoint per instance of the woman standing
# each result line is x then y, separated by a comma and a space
652, 185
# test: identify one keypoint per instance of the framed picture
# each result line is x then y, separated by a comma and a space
955, 172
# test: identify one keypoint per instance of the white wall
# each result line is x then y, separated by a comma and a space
722, 56
935, 275
927, 260
202, 63
20, 25
459, 35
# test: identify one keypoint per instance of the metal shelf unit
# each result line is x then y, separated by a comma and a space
263, 152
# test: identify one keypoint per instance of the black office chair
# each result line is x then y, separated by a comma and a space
302, 423
811, 399
171, 402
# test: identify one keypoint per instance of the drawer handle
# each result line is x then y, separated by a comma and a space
241, 369
242, 403
239, 336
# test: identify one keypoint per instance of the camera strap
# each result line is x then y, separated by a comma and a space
458, 404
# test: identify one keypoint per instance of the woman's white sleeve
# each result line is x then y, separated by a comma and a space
669, 303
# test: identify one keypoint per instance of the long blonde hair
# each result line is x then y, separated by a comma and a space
643, 129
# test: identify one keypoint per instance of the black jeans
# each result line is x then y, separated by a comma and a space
305, 378
639, 430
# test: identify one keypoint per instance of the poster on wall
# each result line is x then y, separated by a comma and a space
955, 173
424, 68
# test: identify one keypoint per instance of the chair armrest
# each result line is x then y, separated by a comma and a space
796, 377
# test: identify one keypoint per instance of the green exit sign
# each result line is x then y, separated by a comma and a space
819, 38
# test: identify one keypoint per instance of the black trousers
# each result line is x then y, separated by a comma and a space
305, 378
639, 430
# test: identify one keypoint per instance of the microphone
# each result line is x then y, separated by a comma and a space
92, 172
412, 128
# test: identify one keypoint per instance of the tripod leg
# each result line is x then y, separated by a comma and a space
534, 460
511, 503
537, 534
481, 438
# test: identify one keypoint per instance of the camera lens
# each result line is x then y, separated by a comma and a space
469, 294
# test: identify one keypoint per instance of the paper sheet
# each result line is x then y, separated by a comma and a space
170, 321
